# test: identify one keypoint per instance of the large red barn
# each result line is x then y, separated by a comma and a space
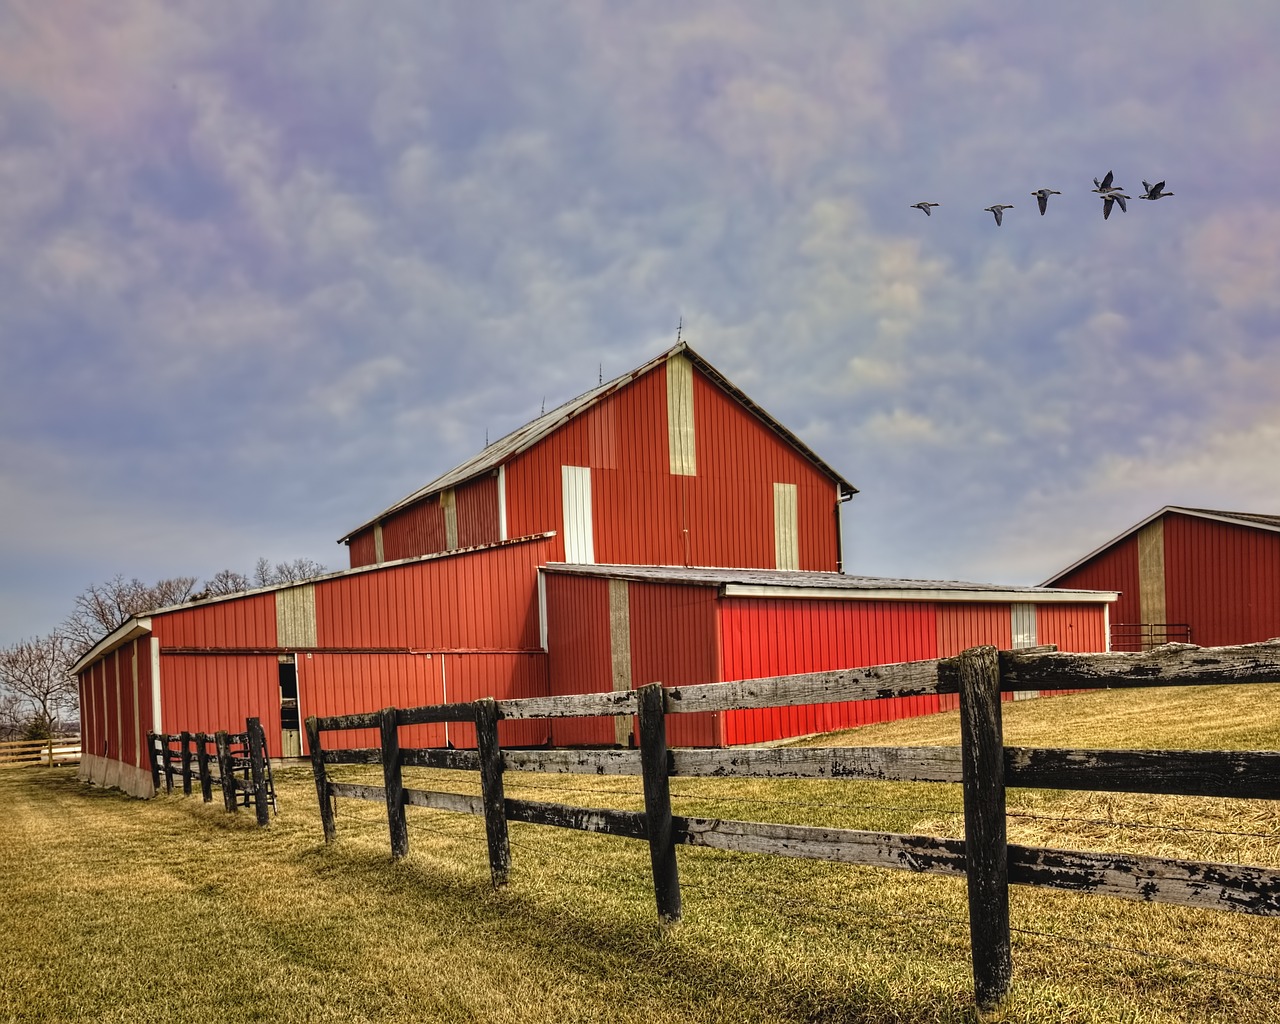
522, 571
1192, 575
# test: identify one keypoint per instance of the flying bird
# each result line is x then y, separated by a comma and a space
1155, 191
998, 210
1042, 197
1105, 185
1114, 196
925, 207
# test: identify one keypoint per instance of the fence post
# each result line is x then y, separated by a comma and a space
657, 801
155, 765
394, 783
985, 839
322, 780
202, 765
495, 804
256, 741
165, 740
225, 771
186, 762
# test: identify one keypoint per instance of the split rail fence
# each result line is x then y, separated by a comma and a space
236, 762
61, 750
981, 764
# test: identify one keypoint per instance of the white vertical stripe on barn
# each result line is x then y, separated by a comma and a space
680, 433
579, 543
786, 540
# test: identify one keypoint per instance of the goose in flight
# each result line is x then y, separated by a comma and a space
1114, 196
925, 207
1105, 185
1042, 197
1155, 191
998, 210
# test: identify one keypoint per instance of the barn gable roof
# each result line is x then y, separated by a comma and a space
1255, 520
523, 438
831, 585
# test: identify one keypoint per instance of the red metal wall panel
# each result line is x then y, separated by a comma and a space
1080, 628
474, 600
1113, 569
766, 637
205, 693
961, 626
1222, 579
348, 684
362, 549
248, 621
578, 652
476, 512
643, 514
674, 642
416, 530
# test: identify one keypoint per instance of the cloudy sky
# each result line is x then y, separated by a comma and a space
267, 267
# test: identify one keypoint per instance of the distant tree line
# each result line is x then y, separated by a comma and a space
39, 697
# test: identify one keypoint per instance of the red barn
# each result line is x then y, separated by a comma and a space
569, 556
1191, 575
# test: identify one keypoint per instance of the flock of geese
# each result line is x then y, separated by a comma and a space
1110, 194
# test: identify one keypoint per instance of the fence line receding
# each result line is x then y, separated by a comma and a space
982, 765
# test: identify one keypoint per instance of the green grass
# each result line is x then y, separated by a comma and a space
120, 910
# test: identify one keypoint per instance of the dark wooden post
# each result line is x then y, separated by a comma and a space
202, 765
256, 741
392, 779
155, 764
985, 839
185, 737
225, 770
495, 804
657, 801
322, 780
168, 763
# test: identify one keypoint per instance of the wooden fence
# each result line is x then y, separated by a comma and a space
981, 764
60, 750
236, 762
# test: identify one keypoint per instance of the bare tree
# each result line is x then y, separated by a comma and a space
104, 607
267, 575
226, 581
39, 689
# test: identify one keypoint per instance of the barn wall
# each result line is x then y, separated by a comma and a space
965, 625
579, 652
766, 637
115, 717
1079, 628
1222, 579
718, 509
1113, 569
205, 693
248, 621
474, 600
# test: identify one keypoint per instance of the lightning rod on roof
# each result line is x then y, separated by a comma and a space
679, 330
600, 374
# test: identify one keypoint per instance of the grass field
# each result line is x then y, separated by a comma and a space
120, 910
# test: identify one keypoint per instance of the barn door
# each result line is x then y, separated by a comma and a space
290, 733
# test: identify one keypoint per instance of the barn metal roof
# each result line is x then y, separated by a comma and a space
1256, 520
798, 584
523, 438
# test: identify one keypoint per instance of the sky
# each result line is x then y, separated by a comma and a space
268, 267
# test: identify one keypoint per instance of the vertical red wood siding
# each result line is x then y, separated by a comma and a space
203, 693
362, 549
578, 652
961, 626
1078, 628
248, 621
642, 513
674, 642
766, 637
1113, 569
1223, 579
347, 684
476, 508
482, 600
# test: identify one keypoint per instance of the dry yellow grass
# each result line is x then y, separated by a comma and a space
120, 910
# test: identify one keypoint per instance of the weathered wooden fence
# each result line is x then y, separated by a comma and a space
236, 762
60, 750
981, 764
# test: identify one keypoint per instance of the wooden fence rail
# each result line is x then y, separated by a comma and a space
982, 765
236, 762
58, 750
